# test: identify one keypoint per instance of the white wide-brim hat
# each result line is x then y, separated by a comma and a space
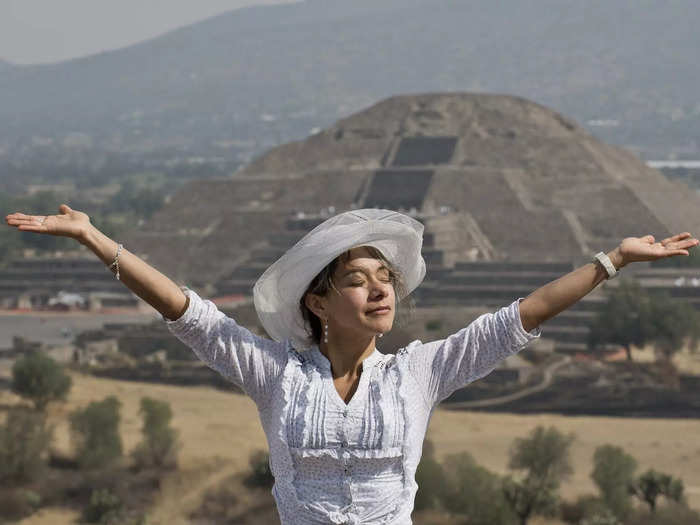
278, 291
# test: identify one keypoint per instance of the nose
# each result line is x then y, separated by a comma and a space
380, 289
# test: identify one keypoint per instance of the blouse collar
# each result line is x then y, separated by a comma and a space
322, 362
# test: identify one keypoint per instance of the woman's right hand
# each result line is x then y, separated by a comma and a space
68, 223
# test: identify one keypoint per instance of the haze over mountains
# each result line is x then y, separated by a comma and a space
241, 82
5, 65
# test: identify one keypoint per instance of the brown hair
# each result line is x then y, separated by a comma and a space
323, 283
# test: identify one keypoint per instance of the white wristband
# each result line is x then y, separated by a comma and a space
607, 264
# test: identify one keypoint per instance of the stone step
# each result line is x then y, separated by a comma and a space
571, 348
70, 264
285, 239
530, 279
435, 273
433, 257
248, 271
238, 286
95, 273
566, 334
572, 318
266, 255
76, 286
503, 266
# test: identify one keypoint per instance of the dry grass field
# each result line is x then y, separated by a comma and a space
219, 430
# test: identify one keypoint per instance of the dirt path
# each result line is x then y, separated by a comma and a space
549, 373
182, 492
52, 516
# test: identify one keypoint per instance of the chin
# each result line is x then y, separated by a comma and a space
382, 329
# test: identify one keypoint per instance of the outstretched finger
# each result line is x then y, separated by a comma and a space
682, 244
37, 228
17, 216
676, 238
26, 219
671, 253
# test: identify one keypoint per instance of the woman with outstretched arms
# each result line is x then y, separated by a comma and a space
345, 423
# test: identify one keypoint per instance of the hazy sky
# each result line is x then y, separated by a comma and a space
38, 31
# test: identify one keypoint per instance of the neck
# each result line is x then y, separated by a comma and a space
346, 354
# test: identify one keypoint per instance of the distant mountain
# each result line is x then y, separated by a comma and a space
5, 66
260, 76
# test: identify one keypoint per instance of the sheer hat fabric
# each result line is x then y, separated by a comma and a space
279, 289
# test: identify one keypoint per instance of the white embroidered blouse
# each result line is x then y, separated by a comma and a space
347, 463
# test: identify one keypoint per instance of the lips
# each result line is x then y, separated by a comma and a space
381, 309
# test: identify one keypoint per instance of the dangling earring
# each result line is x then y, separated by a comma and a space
380, 335
325, 332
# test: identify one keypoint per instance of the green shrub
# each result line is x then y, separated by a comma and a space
606, 517
670, 513
260, 475
39, 378
473, 493
433, 325
587, 509
652, 484
543, 459
95, 431
104, 507
430, 478
158, 447
613, 474
24, 440
16, 504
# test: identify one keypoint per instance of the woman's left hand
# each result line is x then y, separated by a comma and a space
635, 249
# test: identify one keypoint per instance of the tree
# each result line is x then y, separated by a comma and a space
95, 430
633, 317
159, 444
613, 474
672, 323
474, 493
430, 478
652, 484
39, 378
24, 439
624, 319
543, 458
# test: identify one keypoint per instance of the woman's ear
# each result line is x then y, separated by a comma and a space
316, 304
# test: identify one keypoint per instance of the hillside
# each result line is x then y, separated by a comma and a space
236, 84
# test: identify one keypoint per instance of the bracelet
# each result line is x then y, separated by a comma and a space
607, 265
116, 260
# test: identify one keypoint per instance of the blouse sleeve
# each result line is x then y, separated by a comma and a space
444, 366
247, 360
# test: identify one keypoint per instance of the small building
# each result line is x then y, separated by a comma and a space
94, 350
66, 301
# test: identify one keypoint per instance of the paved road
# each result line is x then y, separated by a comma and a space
59, 328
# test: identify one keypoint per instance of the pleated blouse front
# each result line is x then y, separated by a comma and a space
346, 463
